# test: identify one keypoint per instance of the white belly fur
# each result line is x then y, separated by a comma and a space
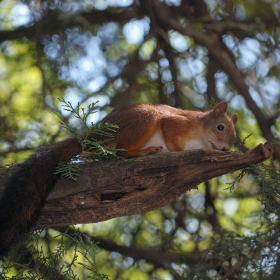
194, 144
157, 140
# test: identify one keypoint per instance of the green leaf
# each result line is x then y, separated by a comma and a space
69, 170
93, 149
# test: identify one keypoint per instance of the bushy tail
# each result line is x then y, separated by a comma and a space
27, 189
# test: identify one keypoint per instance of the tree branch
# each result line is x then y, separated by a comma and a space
159, 258
54, 22
110, 189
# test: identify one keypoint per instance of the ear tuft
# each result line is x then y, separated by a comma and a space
234, 118
220, 109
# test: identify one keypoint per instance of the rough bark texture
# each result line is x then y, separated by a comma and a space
109, 189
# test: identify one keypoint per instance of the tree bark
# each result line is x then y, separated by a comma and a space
109, 189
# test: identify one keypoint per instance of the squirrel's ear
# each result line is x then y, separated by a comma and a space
234, 118
220, 109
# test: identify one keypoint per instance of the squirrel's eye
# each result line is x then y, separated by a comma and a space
221, 127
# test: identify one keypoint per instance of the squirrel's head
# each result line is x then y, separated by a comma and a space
221, 134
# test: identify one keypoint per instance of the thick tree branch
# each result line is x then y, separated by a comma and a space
54, 22
109, 189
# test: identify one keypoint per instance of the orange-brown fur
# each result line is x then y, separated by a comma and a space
138, 123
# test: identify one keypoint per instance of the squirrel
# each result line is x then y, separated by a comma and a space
142, 129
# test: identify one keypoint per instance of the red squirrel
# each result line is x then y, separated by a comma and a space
142, 129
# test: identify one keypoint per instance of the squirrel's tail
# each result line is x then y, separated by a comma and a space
27, 189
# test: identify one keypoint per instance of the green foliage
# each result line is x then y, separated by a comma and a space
245, 138
212, 103
92, 140
87, 141
268, 179
237, 179
72, 253
245, 170
69, 170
